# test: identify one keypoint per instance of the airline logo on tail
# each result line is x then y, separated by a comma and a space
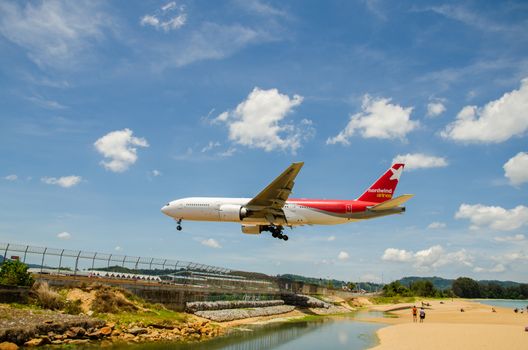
384, 187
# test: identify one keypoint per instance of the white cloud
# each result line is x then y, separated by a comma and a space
169, 17
343, 256
210, 146
379, 119
496, 268
211, 242
11, 177
209, 41
43, 102
514, 238
496, 218
118, 248
435, 108
429, 258
118, 147
54, 33
331, 238
516, 168
436, 225
63, 181
64, 235
496, 122
258, 7
414, 161
258, 122
155, 172
397, 255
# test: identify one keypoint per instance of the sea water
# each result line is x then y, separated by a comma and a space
507, 303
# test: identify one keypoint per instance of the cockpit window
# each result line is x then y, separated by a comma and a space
168, 204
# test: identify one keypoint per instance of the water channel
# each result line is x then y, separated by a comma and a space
324, 333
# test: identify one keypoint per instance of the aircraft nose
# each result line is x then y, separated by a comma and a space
165, 209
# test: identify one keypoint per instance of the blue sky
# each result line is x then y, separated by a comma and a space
109, 111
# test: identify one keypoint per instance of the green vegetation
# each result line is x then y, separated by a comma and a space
15, 273
160, 316
396, 299
419, 288
465, 287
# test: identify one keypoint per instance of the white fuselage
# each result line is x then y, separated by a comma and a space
297, 212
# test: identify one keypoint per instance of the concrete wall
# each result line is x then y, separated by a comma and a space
13, 294
172, 296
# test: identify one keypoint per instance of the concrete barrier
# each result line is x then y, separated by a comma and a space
13, 294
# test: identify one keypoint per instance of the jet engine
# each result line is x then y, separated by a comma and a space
232, 212
252, 229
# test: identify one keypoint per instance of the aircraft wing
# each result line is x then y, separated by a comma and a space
269, 201
392, 203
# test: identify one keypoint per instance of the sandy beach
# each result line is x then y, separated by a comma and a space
446, 327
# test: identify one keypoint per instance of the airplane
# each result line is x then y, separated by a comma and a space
271, 210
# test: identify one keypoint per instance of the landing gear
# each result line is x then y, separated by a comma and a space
276, 232
179, 227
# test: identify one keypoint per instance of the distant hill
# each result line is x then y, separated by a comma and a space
444, 283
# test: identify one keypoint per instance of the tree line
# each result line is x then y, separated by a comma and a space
462, 287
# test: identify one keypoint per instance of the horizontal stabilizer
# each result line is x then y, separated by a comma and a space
392, 203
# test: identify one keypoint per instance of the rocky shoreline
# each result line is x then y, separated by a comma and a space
30, 328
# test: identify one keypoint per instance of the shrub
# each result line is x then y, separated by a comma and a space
73, 307
111, 301
46, 297
15, 273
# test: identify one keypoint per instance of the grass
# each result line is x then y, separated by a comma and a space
163, 316
392, 300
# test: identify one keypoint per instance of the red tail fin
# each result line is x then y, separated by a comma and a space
383, 189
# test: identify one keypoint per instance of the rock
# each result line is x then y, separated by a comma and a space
34, 342
116, 333
106, 331
110, 324
8, 346
137, 330
94, 335
78, 341
57, 342
90, 313
75, 332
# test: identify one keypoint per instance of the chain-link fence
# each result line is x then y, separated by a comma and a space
64, 263
74, 261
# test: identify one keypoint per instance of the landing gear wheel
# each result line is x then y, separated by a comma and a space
284, 237
274, 234
179, 228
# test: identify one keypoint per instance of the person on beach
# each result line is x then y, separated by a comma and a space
415, 313
422, 315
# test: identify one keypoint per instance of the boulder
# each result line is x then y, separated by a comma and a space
34, 342
105, 331
8, 346
137, 330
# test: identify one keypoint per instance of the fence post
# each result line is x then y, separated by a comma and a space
42, 263
110, 257
5, 252
150, 265
60, 261
25, 252
93, 260
76, 263
123, 263
137, 262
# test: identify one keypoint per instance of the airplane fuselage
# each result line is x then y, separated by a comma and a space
297, 211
